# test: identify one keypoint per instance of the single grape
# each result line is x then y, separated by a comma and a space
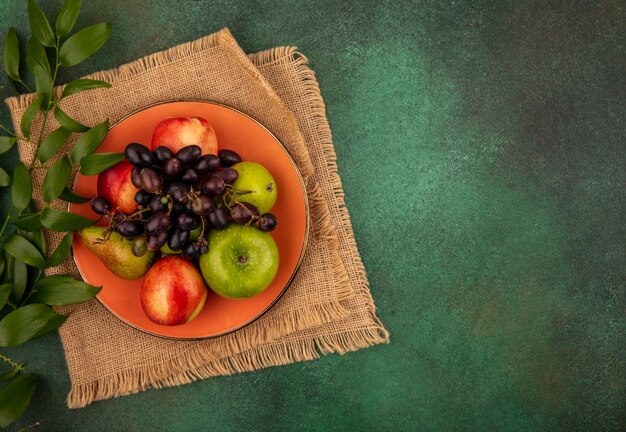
100, 205
160, 155
157, 223
187, 221
228, 157
135, 179
178, 191
218, 218
191, 250
143, 198
138, 155
251, 208
189, 176
240, 214
156, 241
139, 247
156, 205
188, 155
203, 248
172, 168
229, 175
178, 238
203, 205
130, 228
213, 186
150, 180
206, 164
268, 222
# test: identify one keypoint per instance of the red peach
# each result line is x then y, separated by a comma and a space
115, 186
173, 291
176, 133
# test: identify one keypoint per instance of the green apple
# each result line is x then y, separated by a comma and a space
256, 184
242, 261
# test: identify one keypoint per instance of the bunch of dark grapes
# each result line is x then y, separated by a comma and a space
179, 193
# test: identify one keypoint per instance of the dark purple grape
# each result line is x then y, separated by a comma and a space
203, 205
139, 247
241, 214
134, 177
178, 238
251, 208
179, 207
189, 176
218, 218
143, 198
118, 217
100, 206
150, 180
172, 168
188, 155
160, 155
213, 186
157, 223
156, 205
191, 250
187, 221
268, 222
228, 157
229, 175
130, 228
138, 155
156, 241
203, 248
206, 164
178, 191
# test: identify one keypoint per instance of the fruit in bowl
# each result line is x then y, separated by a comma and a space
242, 261
173, 291
178, 132
183, 206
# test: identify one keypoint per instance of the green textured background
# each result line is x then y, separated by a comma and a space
482, 151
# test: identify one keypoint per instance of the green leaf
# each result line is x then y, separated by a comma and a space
64, 221
84, 43
17, 274
10, 374
28, 223
64, 290
96, 163
24, 250
35, 237
29, 116
69, 123
39, 25
12, 55
15, 397
89, 143
28, 322
5, 180
22, 187
5, 290
69, 196
36, 56
56, 179
67, 17
53, 143
6, 143
80, 85
60, 253
2, 264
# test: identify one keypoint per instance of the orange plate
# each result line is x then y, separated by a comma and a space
253, 142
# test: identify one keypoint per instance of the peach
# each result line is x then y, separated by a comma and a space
115, 186
179, 132
173, 291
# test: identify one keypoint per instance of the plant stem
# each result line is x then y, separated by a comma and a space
11, 362
6, 221
7, 130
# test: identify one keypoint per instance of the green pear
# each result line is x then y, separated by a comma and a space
116, 253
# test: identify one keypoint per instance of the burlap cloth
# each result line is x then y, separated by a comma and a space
327, 309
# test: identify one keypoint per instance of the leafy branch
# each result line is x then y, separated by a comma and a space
25, 292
